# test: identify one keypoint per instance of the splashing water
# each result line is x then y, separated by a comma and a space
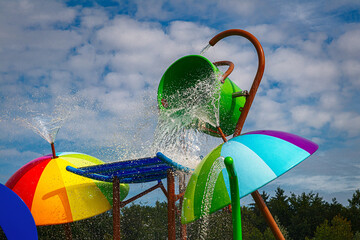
198, 104
47, 125
215, 170
177, 133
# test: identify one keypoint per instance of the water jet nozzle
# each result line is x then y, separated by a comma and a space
53, 150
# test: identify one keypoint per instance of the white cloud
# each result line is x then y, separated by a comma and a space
35, 13
189, 33
310, 116
87, 64
151, 9
302, 75
12, 152
268, 34
349, 122
129, 35
93, 18
321, 183
347, 44
131, 82
112, 64
269, 114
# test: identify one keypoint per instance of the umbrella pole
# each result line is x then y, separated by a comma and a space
249, 100
53, 150
267, 215
116, 208
235, 198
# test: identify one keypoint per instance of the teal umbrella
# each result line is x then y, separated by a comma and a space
258, 157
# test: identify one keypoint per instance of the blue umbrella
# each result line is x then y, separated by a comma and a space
258, 158
16, 220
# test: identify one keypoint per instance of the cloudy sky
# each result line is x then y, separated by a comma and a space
98, 63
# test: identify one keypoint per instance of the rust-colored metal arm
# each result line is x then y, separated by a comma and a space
227, 73
258, 76
267, 215
249, 99
124, 203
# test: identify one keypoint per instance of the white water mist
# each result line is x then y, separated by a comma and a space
178, 131
214, 172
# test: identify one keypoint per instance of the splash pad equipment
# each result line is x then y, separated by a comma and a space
258, 158
141, 170
173, 83
56, 196
244, 111
237, 148
206, 122
213, 92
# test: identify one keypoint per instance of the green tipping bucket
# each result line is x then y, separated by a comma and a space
182, 79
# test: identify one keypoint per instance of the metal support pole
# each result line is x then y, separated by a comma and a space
171, 205
182, 188
267, 215
116, 208
124, 203
249, 99
235, 198
259, 73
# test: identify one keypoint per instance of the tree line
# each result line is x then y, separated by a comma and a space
300, 217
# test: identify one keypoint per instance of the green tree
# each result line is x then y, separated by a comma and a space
258, 220
250, 220
144, 222
339, 229
279, 206
356, 236
307, 212
335, 208
268, 235
354, 211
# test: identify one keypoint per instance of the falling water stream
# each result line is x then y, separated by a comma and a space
214, 172
177, 131
205, 49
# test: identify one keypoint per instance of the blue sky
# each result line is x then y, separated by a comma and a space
99, 63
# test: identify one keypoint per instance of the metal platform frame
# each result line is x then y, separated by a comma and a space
139, 171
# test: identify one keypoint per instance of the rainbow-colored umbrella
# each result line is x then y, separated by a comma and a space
56, 196
259, 157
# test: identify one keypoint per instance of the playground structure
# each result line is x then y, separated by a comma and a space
139, 171
165, 89
234, 105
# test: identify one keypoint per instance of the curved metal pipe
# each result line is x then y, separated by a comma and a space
258, 76
250, 98
228, 71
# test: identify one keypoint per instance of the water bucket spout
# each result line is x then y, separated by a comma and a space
193, 86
